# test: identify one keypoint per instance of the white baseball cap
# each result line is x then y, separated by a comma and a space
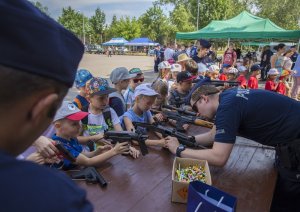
69, 111
232, 71
273, 71
144, 89
242, 68
164, 64
213, 68
176, 67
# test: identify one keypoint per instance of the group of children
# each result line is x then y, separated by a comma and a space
80, 125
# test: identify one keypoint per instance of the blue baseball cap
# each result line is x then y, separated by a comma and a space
33, 42
225, 65
82, 76
255, 67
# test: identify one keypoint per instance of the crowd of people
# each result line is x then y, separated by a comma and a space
34, 93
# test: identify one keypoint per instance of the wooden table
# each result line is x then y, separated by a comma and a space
144, 184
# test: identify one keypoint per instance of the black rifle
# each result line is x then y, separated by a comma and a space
188, 141
90, 175
125, 136
65, 153
184, 119
218, 82
180, 110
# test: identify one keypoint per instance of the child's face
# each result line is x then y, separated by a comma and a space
136, 81
68, 128
159, 101
214, 75
124, 84
99, 101
165, 73
145, 102
174, 75
255, 73
272, 77
231, 76
186, 86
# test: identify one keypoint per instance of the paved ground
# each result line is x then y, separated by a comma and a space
101, 66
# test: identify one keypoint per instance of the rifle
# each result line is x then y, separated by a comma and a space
218, 82
184, 119
125, 136
188, 141
90, 175
180, 110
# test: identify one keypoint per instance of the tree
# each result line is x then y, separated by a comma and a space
155, 25
126, 28
41, 7
75, 22
97, 22
182, 19
209, 10
282, 12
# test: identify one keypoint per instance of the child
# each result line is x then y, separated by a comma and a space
282, 86
242, 78
224, 71
202, 69
175, 69
164, 71
213, 72
192, 67
101, 117
253, 82
182, 59
120, 78
140, 112
82, 76
128, 95
232, 74
184, 85
270, 83
161, 88
67, 125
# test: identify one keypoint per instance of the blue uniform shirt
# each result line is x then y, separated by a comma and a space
72, 146
26, 186
263, 116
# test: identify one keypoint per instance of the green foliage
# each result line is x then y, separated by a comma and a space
97, 22
284, 13
182, 19
155, 24
41, 7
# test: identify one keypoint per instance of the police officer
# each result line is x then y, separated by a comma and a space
203, 47
266, 117
38, 62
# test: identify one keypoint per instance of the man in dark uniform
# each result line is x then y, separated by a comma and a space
266, 117
157, 59
203, 49
38, 62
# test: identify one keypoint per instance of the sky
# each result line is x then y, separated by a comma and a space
110, 7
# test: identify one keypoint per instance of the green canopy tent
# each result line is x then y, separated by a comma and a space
244, 26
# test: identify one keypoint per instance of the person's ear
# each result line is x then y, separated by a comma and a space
45, 107
57, 125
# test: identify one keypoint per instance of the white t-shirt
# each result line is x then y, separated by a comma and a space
169, 53
96, 123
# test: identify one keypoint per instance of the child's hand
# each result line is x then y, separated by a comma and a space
160, 117
98, 137
103, 148
185, 126
121, 148
162, 142
134, 152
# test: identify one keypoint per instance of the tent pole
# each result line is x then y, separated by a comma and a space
298, 45
228, 42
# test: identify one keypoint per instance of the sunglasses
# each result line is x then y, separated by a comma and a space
194, 106
138, 80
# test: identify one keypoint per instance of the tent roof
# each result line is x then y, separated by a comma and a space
115, 42
243, 26
141, 42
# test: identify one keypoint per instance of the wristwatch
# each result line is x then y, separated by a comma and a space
179, 149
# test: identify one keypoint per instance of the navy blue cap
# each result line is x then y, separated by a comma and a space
33, 42
255, 67
205, 43
225, 65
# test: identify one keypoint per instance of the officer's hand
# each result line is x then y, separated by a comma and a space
172, 144
46, 147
